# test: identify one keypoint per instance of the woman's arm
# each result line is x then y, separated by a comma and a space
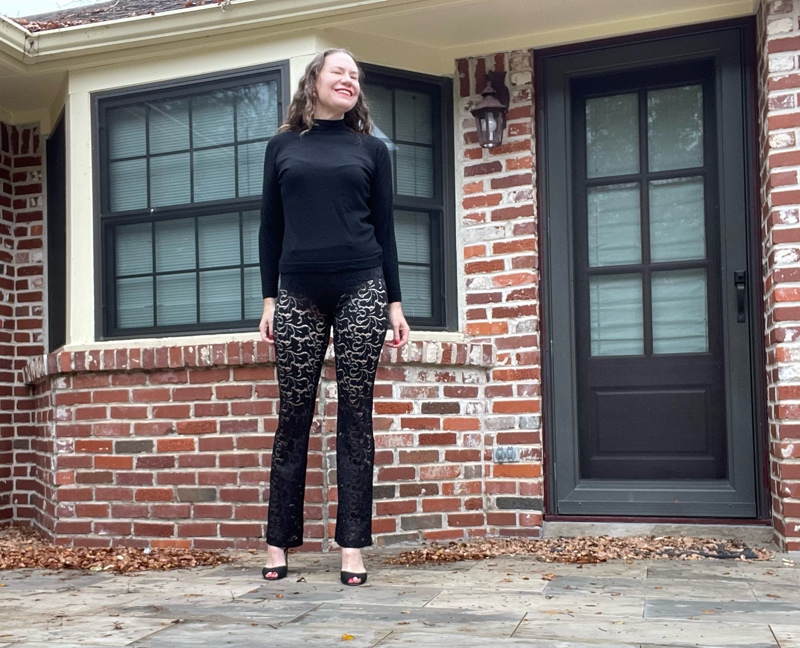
270, 240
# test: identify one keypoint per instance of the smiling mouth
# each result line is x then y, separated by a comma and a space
347, 93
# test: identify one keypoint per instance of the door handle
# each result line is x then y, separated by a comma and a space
740, 282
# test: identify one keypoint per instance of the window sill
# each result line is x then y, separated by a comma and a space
427, 348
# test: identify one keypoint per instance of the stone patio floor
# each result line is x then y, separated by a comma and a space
504, 601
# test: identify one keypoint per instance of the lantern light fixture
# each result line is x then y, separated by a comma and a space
490, 113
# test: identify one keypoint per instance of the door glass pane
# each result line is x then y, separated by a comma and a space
177, 299
175, 245
134, 249
616, 318
135, 302
675, 128
680, 313
614, 225
128, 185
219, 240
169, 126
169, 180
677, 219
221, 295
612, 135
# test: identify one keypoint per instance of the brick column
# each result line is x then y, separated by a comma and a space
7, 318
498, 235
779, 83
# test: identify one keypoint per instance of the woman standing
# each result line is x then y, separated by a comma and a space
327, 230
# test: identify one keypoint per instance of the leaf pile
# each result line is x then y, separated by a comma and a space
23, 548
583, 550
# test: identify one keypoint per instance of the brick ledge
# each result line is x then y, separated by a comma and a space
240, 353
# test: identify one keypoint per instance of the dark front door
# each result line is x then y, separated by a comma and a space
651, 392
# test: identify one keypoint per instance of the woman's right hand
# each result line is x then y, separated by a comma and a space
267, 318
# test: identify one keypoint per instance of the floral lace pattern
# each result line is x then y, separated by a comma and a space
355, 305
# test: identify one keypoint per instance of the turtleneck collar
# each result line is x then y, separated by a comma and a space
329, 125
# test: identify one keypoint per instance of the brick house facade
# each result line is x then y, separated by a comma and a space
168, 443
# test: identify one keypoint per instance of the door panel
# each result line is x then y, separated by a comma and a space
649, 392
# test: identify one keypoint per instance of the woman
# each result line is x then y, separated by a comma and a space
327, 229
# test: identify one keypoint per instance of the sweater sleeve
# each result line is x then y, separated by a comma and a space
381, 192
270, 235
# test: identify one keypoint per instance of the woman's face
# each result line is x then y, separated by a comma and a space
337, 86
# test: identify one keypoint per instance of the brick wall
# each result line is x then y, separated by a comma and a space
171, 445
498, 234
23, 463
7, 316
779, 108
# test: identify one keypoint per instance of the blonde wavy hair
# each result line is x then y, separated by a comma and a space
301, 110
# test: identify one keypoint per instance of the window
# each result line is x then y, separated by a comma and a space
412, 114
180, 188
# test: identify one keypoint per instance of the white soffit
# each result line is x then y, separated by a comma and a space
472, 27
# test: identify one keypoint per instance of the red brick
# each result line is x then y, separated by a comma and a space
149, 529
154, 494
175, 445
196, 427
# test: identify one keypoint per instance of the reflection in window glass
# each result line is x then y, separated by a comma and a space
675, 128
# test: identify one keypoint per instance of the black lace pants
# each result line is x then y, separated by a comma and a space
308, 305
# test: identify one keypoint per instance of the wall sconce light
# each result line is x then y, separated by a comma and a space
490, 113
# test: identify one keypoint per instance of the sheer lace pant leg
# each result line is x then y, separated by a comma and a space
359, 330
301, 339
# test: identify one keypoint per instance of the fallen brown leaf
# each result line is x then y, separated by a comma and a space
23, 548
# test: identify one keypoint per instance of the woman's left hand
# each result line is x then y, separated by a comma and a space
399, 326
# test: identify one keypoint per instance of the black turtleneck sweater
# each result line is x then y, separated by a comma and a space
327, 206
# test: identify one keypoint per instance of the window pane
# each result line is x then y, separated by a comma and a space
677, 219
134, 249
616, 319
212, 119
257, 111
381, 109
675, 128
177, 299
127, 132
135, 302
219, 241
175, 245
169, 180
415, 171
413, 117
614, 225
214, 174
251, 168
220, 296
415, 284
680, 313
128, 182
612, 135
169, 126
251, 222
413, 234
253, 304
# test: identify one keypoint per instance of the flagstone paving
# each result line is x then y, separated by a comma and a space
509, 601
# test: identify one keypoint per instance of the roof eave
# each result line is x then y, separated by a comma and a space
14, 41
138, 31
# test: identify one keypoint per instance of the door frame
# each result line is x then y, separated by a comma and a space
554, 167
